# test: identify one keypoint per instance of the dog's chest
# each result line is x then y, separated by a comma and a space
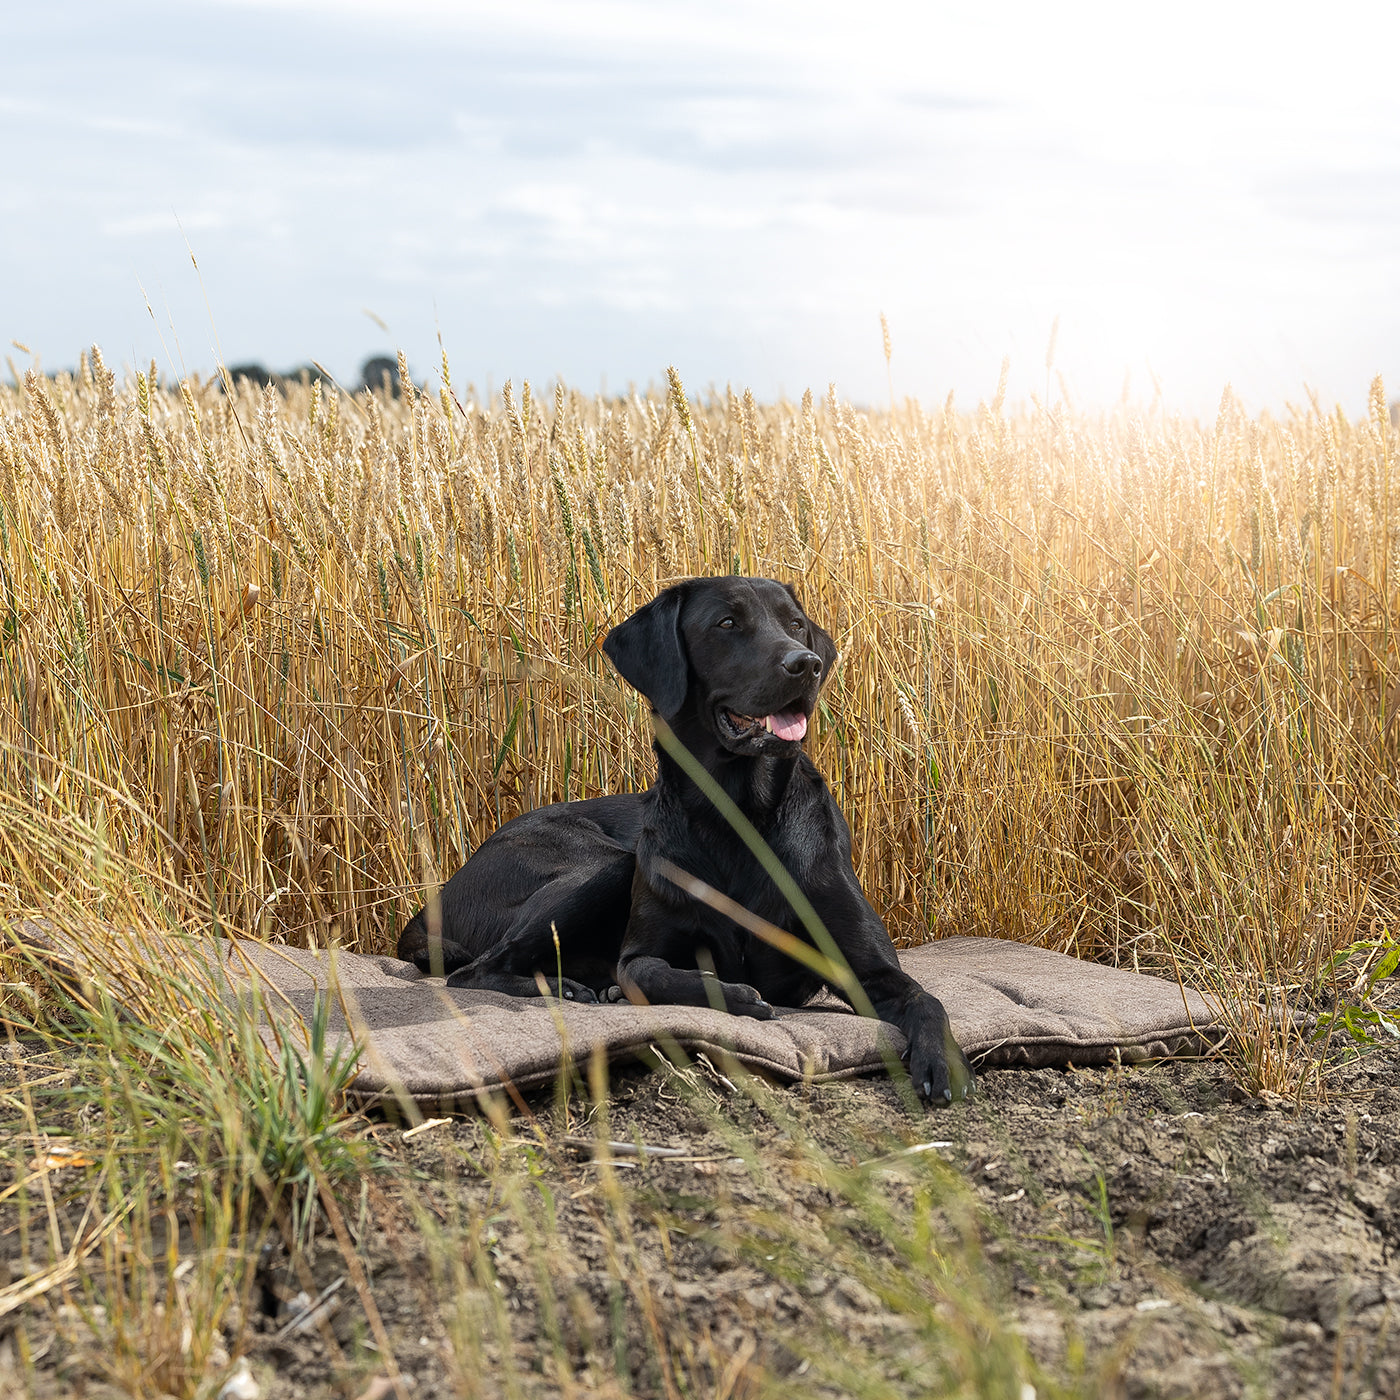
804, 847
801, 848
803, 828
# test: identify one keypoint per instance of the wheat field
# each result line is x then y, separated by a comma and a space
1121, 684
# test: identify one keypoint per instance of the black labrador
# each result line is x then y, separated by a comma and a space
573, 894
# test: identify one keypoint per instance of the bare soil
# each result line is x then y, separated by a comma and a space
1146, 1231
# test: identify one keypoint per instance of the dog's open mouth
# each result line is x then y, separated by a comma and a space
782, 724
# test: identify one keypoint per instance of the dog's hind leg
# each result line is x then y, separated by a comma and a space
523, 962
517, 985
567, 934
649, 981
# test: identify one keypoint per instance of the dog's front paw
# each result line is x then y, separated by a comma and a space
742, 1000
937, 1065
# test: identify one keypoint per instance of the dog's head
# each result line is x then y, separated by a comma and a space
739, 653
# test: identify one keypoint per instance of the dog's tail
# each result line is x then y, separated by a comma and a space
435, 956
413, 940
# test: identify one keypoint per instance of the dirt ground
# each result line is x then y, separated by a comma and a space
1146, 1231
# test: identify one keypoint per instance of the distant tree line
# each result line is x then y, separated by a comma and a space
378, 372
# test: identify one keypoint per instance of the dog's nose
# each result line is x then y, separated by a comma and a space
802, 663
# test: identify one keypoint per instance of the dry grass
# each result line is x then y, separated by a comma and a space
1121, 685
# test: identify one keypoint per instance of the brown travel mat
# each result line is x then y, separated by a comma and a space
1009, 1004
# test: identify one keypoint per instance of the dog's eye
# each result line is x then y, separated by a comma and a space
726, 622
795, 626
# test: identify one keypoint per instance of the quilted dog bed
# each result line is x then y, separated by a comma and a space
1009, 1005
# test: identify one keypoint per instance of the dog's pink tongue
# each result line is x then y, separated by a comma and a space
788, 724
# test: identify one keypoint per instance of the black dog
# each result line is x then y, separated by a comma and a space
573, 892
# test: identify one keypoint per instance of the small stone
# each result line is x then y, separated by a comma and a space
296, 1305
856, 1295
240, 1385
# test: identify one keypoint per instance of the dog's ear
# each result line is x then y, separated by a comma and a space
648, 653
817, 638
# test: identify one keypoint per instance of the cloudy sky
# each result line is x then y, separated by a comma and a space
1201, 193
